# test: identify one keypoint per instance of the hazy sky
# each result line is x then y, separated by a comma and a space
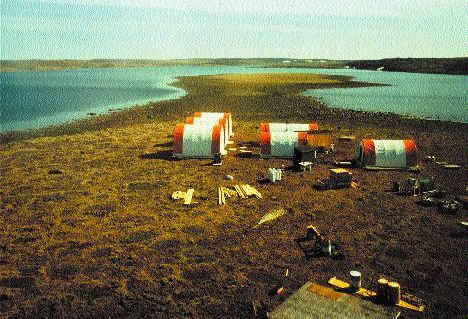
163, 29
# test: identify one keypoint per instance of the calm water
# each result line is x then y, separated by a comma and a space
432, 96
37, 99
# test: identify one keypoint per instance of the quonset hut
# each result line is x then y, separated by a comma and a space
281, 144
209, 122
291, 127
198, 141
218, 116
387, 153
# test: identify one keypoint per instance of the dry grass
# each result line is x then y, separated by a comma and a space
87, 226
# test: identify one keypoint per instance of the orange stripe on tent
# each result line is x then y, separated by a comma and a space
197, 114
178, 139
313, 126
264, 127
189, 120
265, 142
226, 117
368, 152
216, 139
411, 153
302, 138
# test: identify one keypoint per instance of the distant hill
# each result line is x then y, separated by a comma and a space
16, 65
445, 66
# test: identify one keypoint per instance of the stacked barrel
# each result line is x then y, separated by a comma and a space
202, 135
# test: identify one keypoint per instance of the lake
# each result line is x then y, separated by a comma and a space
31, 99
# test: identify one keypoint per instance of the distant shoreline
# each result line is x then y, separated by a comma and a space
453, 66
142, 113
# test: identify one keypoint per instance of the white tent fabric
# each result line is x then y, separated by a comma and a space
198, 141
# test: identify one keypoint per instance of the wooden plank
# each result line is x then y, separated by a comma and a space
188, 197
239, 191
178, 195
255, 192
325, 291
223, 199
246, 189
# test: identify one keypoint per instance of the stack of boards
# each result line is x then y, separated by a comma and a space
242, 191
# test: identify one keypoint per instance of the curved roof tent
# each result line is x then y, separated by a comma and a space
217, 115
198, 141
387, 153
281, 144
211, 121
293, 127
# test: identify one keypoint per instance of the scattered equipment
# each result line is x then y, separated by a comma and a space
217, 159
315, 245
355, 280
339, 178
186, 196
305, 166
242, 191
317, 301
304, 153
274, 174
389, 293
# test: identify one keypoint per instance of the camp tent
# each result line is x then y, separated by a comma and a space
211, 121
281, 144
198, 141
283, 127
217, 115
387, 153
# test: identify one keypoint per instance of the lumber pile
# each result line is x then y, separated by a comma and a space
240, 191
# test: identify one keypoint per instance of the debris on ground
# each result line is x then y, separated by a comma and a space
272, 214
346, 138
463, 200
450, 206
186, 196
451, 166
389, 293
316, 301
343, 164
242, 191
274, 174
305, 166
304, 154
414, 186
217, 159
229, 177
339, 178
315, 245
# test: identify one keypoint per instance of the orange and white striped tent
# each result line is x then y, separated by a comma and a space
198, 141
387, 153
281, 144
217, 116
211, 121
284, 127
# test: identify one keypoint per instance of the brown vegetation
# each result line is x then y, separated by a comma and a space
87, 226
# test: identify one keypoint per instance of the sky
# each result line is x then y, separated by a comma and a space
177, 29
